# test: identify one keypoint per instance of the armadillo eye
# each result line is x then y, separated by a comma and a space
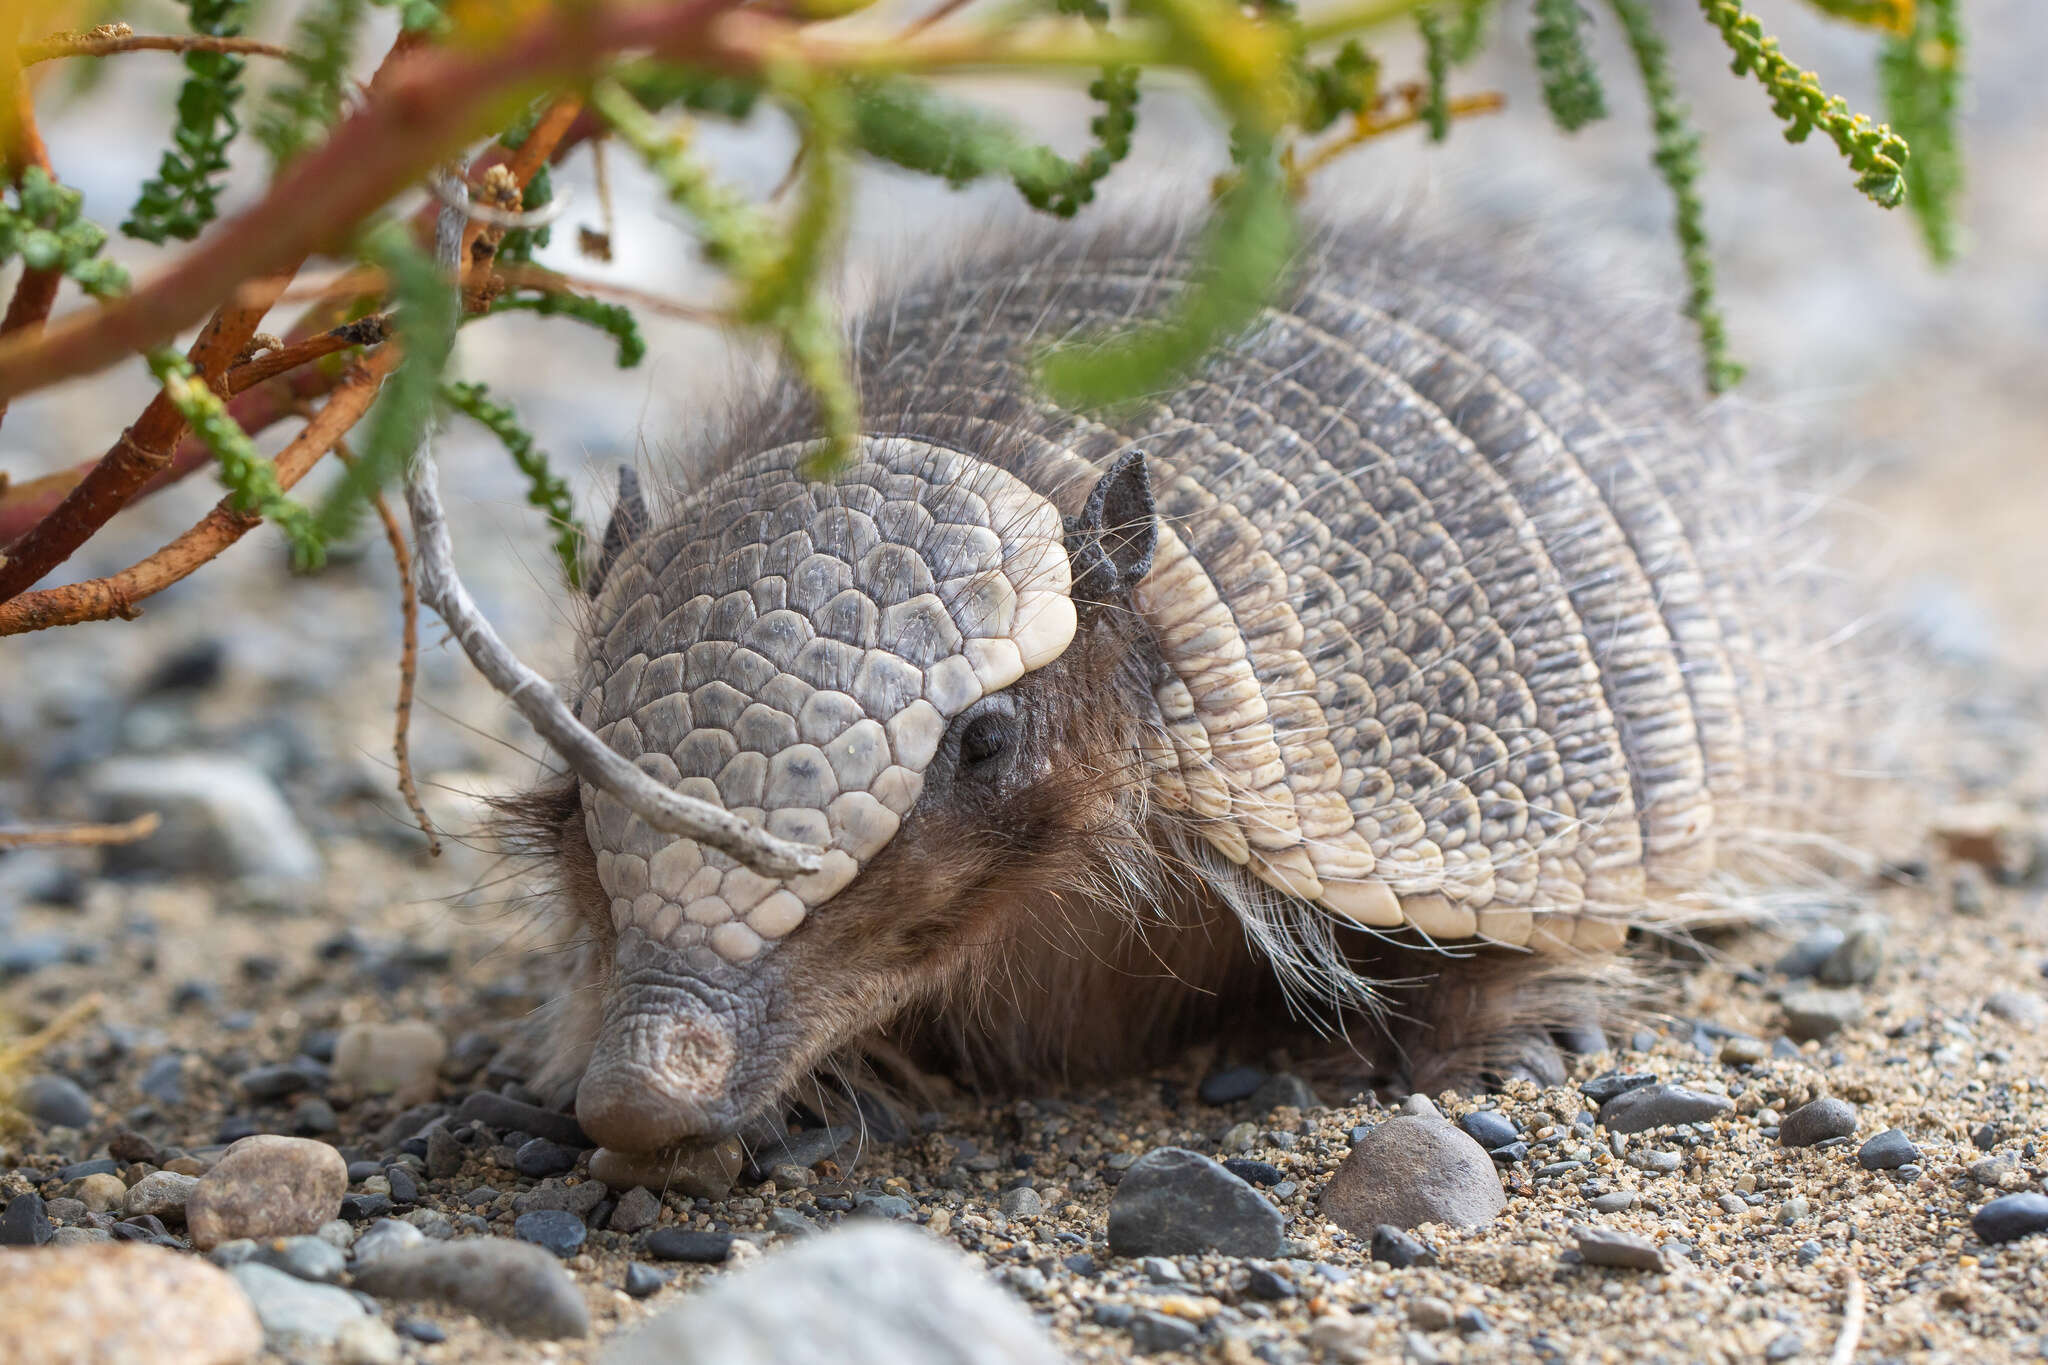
984, 740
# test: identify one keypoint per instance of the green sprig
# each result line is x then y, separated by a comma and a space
1873, 151
1436, 49
418, 16
251, 480
1062, 187
1571, 82
425, 309
1469, 31
1677, 156
295, 114
44, 226
184, 195
520, 243
1923, 78
615, 320
1349, 83
544, 488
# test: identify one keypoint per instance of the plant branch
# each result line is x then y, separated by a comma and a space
588, 756
97, 44
79, 836
36, 292
102, 599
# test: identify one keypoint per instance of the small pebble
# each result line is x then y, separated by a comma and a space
26, 1222
54, 1102
1262, 1173
637, 1209
1489, 1129
1022, 1203
1230, 1085
1413, 1170
1615, 1201
266, 1186
643, 1279
2022, 1009
694, 1172
1817, 1014
557, 1230
1817, 1122
100, 1193
2011, 1217
1857, 960
367, 1341
1398, 1249
1174, 1202
1660, 1106
1887, 1151
161, 1193
540, 1158
1616, 1249
402, 1059
383, 1237
1153, 1332
1268, 1285
1284, 1091
687, 1244
295, 1312
516, 1285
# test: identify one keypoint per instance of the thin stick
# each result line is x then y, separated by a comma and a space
408, 662
107, 44
587, 755
1852, 1319
1368, 126
36, 291
101, 599
69, 1018
79, 836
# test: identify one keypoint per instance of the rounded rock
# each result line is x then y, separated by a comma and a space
1660, 1106
2011, 1217
101, 1192
123, 1303
402, 1059
266, 1186
556, 1230
163, 1193
1888, 1151
513, 1284
1817, 1122
54, 1102
1413, 1170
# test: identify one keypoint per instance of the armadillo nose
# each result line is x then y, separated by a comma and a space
656, 1079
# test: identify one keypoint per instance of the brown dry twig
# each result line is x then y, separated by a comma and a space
107, 41
102, 599
36, 291
70, 1018
408, 660
79, 836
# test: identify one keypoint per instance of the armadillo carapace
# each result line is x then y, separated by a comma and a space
1389, 671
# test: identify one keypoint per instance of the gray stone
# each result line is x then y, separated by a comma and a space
1619, 1250
806, 1149
386, 1237
305, 1258
505, 1115
694, 1172
1284, 1091
1174, 1202
2022, 1009
296, 1312
266, 1186
1817, 1122
221, 817
1616, 1201
1858, 959
1413, 1170
578, 1199
1887, 1151
636, 1210
1660, 1106
1152, 1333
2011, 1217
163, 1193
879, 1293
1815, 1014
1022, 1202
517, 1286
555, 1230
54, 1101
367, 1342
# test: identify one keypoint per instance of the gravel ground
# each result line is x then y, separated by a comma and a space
235, 1004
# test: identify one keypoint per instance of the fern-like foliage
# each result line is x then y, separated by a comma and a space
545, 489
1571, 81
615, 320
425, 309
251, 480
1923, 82
1436, 97
1677, 157
183, 196
1873, 151
45, 227
296, 113
1062, 187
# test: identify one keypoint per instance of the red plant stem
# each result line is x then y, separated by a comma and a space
37, 289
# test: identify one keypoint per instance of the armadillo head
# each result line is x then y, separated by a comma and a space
829, 660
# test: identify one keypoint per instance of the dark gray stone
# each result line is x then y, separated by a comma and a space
1487, 1128
54, 1101
1153, 1332
1230, 1085
1605, 1087
1817, 1122
1398, 1249
1284, 1091
26, 1223
1805, 957
687, 1244
1174, 1202
556, 1230
1817, 1014
541, 1158
1887, 1151
513, 1284
805, 1149
1660, 1106
643, 1279
508, 1115
2011, 1217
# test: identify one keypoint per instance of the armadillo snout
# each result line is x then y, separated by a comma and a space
667, 1064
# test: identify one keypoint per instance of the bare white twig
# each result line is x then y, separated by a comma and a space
1852, 1319
590, 758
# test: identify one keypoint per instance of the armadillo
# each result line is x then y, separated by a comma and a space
1381, 678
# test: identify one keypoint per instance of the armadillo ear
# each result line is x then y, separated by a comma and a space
1110, 543
629, 522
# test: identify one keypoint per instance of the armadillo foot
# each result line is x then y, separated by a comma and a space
1494, 1018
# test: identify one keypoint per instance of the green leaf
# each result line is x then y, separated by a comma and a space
1923, 87
184, 195
616, 320
251, 480
544, 488
296, 114
1571, 82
